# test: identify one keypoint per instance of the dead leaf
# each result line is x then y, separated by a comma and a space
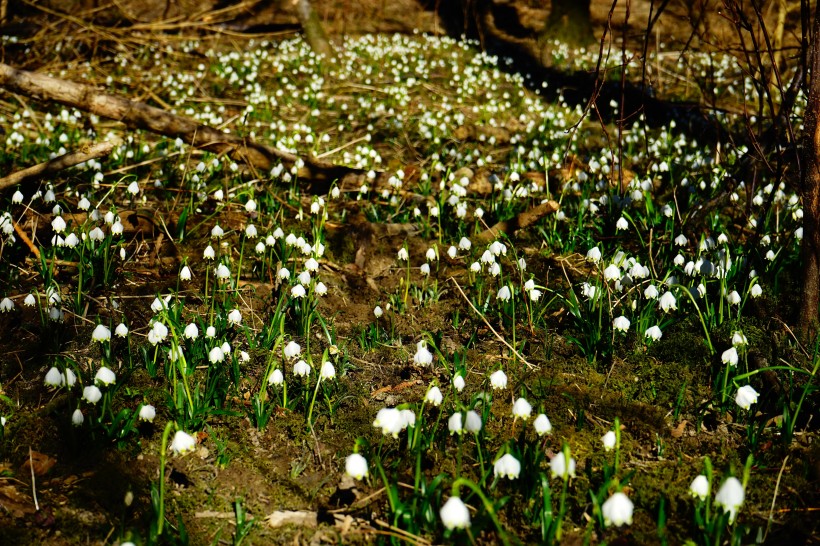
677, 432
293, 517
41, 462
15, 502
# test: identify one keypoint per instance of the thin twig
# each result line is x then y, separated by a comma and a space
497, 335
774, 497
33, 483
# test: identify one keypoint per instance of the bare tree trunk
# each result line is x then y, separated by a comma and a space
57, 164
312, 27
142, 116
810, 188
570, 22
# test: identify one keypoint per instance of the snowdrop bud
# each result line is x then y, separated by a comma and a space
521, 409
77, 418
356, 466
378, 312
147, 413
498, 380
542, 425
699, 487
458, 382
617, 510
507, 466
454, 514
746, 396
434, 396
608, 440
182, 443
730, 496
729, 356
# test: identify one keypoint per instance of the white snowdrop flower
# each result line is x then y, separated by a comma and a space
133, 188
320, 289
701, 289
608, 440
668, 302
70, 241
58, 224
739, 339
217, 232
327, 371
507, 466
105, 377
423, 356
746, 396
408, 418
191, 331
96, 234
434, 212
210, 332
29, 300
378, 312
653, 333
7, 305
497, 248
521, 409
356, 466
495, 269
487, 257
472, 422
733, 298
219, 195
121, 330
522, 264
84, 203
283, 274
235, 317
301, 369
452, 252
117, 228
390, 420
621, 224
464, 244
756, 291
475, 267
667, 211
312, 265
455, 424
612, 273
454, 514
250, 231
147, 413
529, 285
594, 254
621, 323
77, 417
681, 240
182, 443
559, 467
504, 293
17, 198
226, 348
216, 355
250, 206
403, 255
209, 253
244, 356
770, 255
292, 350
730, 496
335, 192
431, 254
276, 377
54, 378
729, 356
679, 260
185, 273
699, 487
458, 382
498, 380
298, 291
617, 510
479, 213
222, 272
92, 394
542, 425
425, 269
434, 396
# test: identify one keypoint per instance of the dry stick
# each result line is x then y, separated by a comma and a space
774, 497
26, 240
33, 486
497, 335
142, 116
523, 220
59, 163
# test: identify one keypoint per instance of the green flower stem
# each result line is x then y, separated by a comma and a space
313, 401
488, 506
162, 454
702, 321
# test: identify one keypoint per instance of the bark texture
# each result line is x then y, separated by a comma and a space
810, 189
570, 22
312, 28
57, 164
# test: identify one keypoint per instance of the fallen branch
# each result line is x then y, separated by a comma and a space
143, 116
92, 151
523, 220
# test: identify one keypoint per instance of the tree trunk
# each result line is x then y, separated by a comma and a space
570, 22
810, 189
312, 27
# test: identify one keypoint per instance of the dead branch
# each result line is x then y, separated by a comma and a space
143, 116
91, 151
523, 220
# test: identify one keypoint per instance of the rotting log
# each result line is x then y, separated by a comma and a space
35, 172
521, 221
143, 116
